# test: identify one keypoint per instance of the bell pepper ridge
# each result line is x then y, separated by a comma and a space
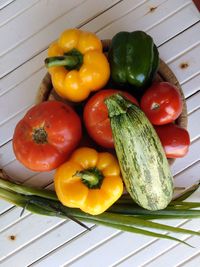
77, 65
89, 180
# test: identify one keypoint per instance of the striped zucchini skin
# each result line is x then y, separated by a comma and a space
142, 160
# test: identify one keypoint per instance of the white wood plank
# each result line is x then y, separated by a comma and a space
40, 40
68, 252
192, 59
6, 154
193, 126
193, 102
5, 3
116, 242
14, 37
10, 212
171, 23
143, 19
14, 10
133, 246
191, 86
38, 225
194, 261
21, 74
29, 90
188, 177
122, 9
142, 257
11, 216
175, 256
41, 179
22, 175
159, 246
187, 40
18, 171
122, 245
8, 127
192, 157
60, 235
4, 206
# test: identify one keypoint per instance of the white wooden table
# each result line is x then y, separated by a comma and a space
26, 29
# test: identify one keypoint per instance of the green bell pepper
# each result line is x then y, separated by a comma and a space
133, 58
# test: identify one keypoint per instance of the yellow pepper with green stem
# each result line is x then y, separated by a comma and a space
89, 180
77, 64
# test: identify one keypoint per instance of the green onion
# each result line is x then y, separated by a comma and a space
48, 207
124, 215
22, 189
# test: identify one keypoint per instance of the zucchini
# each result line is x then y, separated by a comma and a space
142, 160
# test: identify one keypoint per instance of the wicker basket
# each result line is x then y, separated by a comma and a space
46, 91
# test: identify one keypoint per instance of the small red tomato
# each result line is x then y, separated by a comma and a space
162, 103
47, 134
96, 117
175, 140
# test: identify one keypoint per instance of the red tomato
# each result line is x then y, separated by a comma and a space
175, 140
162, 103
46, 136
96, 118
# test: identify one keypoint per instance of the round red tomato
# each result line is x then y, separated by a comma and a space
96, 117
46, 136
175, 140
162, 103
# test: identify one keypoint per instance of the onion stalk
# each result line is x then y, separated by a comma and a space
125, 216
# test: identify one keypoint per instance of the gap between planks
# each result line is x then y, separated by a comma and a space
19, 12
5, 3
188, 3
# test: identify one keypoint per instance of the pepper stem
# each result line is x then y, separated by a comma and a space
70, 60
91, 177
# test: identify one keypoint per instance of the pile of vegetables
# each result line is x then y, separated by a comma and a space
97, 142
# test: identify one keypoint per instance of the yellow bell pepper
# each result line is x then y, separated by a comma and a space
90, 181
77, 64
